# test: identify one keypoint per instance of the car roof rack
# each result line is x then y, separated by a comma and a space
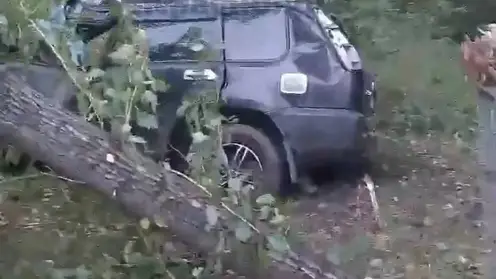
157, 4
151, 10
193, 2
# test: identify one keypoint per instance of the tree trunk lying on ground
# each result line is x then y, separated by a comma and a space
78, 150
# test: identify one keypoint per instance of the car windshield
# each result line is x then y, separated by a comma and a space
344, 48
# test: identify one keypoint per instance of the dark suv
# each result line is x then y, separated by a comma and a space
285, 70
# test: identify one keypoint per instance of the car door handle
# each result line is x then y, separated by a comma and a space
201, 74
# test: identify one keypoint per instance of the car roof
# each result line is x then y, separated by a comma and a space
157, 4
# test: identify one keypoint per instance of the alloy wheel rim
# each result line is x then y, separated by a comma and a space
237, 155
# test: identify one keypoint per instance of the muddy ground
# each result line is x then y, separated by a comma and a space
425, 188
427, 196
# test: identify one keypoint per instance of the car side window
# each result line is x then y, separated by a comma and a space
184, 40
255, 34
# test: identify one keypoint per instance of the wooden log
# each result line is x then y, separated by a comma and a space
78, 150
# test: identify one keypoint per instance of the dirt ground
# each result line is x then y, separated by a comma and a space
426, 193
427, 197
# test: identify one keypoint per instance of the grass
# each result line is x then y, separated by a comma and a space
429, 110
45, 222
429, 210
423, 88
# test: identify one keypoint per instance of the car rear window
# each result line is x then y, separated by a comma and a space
255, 34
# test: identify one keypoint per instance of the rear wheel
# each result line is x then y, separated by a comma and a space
252, 154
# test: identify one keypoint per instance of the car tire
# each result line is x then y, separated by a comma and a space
355, 166
272, 162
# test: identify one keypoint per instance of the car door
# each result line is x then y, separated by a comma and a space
185, 51
257, 47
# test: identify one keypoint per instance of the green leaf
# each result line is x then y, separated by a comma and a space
197, 271
266, 199
148, 73
196, 47
181, 110
235, 183
82, 272
95, 73
160, 86
136, 139
278, 243
61, 273
247, 206
3, 20
146, 120
83, 103
118, 78
123, 54
140, 37
199, 137
215, 122
278, 219
128, 249
144, 223
212, 215
149, 97
265, 212
243, 232
137, 77
126, 128
158, 220
102, 108
110, 93
13, 155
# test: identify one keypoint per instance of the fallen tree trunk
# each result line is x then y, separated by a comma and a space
78, 150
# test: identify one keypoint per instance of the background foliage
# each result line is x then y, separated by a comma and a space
413, 48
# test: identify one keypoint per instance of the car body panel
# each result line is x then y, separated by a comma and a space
324, 125
323, 136
329, 85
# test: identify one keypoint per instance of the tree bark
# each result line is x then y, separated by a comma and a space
78, 150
